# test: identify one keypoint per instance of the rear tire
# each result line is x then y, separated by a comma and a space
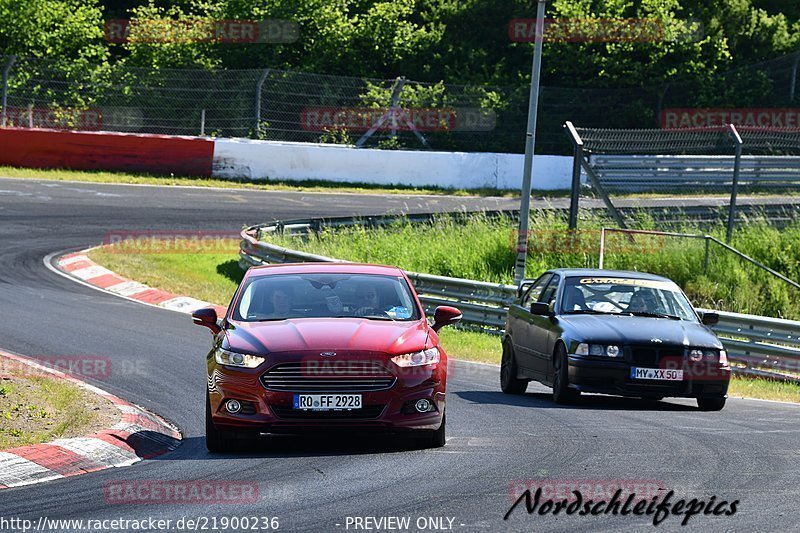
509, 383
711, 404
562, 394
217, 441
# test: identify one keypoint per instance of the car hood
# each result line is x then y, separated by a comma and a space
327, 334
626, 329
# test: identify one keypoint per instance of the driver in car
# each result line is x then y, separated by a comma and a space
370, 303
643, 301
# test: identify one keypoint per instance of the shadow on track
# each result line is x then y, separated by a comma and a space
544, 400
287, 446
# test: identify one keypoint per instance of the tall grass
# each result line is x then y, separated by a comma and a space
484, 248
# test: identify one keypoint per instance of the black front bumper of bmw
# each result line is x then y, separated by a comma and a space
614, 377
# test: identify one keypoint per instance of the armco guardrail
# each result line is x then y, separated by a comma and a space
482, 304
766, 347
758, 346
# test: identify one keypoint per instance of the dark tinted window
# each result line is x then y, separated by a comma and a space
535, 291
549, 293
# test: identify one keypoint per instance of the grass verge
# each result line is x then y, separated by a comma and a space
262, 185
214, 277
37, 408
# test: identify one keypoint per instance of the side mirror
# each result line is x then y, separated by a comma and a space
710, 319
207, 317
445, 316
541, 308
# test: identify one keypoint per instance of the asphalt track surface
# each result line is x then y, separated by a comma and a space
748, 452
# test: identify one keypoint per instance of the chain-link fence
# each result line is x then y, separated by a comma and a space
305, 107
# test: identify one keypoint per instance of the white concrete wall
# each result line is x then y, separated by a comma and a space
245, 158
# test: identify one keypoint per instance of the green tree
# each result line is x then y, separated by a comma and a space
67, 33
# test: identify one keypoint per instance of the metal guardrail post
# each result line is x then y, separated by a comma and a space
737, 168
6, 73
602, 247
577, 144
259, 86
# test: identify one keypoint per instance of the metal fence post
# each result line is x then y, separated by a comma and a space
705, 266
577, 143
530, 146
202, 122
6, 73
793, 84
391, 114
259, 85
737, 168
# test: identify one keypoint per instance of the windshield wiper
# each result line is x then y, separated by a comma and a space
588, 312
654, 315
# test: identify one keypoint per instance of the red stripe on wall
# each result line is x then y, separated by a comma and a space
157, 154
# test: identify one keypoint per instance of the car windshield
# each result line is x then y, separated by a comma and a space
620, 295
285, 296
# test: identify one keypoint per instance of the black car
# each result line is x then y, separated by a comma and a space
612, 332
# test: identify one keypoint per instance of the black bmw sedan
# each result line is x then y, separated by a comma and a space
612, 332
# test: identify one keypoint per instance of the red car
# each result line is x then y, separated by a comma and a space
318, 346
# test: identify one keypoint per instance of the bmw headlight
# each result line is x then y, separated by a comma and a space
424, 357
598, 350
242, 360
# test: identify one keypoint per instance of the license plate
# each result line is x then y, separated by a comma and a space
660, 374
327, 402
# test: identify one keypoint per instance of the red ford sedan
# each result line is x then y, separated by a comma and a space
319, 346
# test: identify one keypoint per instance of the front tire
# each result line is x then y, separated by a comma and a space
711, 404
217, 441
438, 438
562, 394
509, 383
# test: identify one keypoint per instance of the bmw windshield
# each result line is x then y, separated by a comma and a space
624, 295
285, 296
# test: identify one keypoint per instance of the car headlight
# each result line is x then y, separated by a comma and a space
696, 355
599, 350
424, 357
242, 360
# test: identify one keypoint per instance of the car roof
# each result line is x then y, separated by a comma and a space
573, 272
324, 268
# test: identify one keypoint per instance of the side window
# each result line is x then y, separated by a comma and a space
535, 291
549, 293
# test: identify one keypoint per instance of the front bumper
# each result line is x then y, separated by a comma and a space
383, 410
704, 380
